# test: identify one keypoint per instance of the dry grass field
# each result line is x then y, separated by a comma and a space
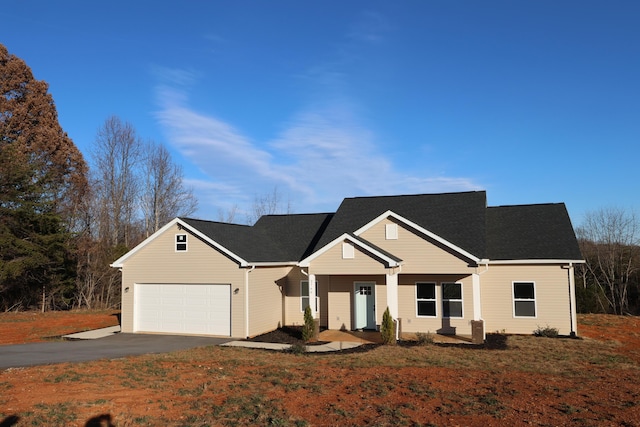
517, 381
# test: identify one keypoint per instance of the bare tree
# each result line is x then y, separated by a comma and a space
229, 215
116, 156
268, 204
609, 241
164, 194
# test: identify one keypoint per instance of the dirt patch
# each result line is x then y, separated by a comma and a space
515, 381
25, 327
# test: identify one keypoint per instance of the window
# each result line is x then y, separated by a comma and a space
304, 295
391, 232
524, 299
426, 299
181, 242
348, 252
452, 300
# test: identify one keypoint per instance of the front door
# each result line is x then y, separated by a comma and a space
365, 305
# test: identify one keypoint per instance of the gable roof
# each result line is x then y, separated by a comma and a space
534, 232
375, 251
460, 221
273, 238
458, 218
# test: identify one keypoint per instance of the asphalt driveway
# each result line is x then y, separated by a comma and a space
111, 347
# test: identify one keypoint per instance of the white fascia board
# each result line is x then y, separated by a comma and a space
305, 262
531, 261
418, 228
274, 264
119, 263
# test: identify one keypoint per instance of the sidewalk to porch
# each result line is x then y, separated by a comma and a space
374, 337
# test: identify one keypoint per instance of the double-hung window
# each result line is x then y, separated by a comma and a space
452, 300
426, 299
304, 295
524, 299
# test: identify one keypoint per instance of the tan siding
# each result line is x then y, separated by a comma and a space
418, 255
331, 262
340, 302
340, 291
265, 298
292, 314
552, 298
158, 262
407, 310
381, 301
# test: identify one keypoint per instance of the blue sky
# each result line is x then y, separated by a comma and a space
533, 101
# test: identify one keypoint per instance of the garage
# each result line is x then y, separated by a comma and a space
199, 309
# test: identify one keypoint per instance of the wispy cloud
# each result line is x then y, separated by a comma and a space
321, 156
322, 153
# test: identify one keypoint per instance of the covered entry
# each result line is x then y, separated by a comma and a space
199, 309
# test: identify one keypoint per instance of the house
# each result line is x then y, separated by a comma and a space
437, 261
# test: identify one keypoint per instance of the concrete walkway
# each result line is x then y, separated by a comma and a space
333, 340
339, 340
319, 348
94, 334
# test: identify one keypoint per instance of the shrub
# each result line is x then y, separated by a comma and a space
424, 338
297, 348
547, 331
388, 328
309, 328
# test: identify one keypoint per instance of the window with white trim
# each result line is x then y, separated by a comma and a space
524, 299
426, 299
391, 231
304, 295
452, 300
348, 251
181, 242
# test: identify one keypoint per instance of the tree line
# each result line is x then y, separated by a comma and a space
62, 222
609, 280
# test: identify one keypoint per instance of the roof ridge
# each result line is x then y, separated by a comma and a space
527, 204
416, 195
212, 222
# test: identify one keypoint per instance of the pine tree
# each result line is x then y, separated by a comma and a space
42, 183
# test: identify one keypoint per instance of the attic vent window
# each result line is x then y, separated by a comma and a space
181, 242
391, 232
348, 252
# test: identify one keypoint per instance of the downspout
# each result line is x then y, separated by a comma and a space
572, 297
246, 300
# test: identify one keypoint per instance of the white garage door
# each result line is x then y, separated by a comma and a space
185, 309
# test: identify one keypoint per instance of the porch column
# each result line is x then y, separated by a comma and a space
477, 304
392, 295
312, 295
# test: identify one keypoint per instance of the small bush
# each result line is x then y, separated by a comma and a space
424, 338
308, 330
297, 348
547, 331
388, 328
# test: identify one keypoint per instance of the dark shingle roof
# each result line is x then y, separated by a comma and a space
274, 238
531, 232
463, 219
457, 217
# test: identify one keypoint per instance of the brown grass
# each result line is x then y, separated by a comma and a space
531, 380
